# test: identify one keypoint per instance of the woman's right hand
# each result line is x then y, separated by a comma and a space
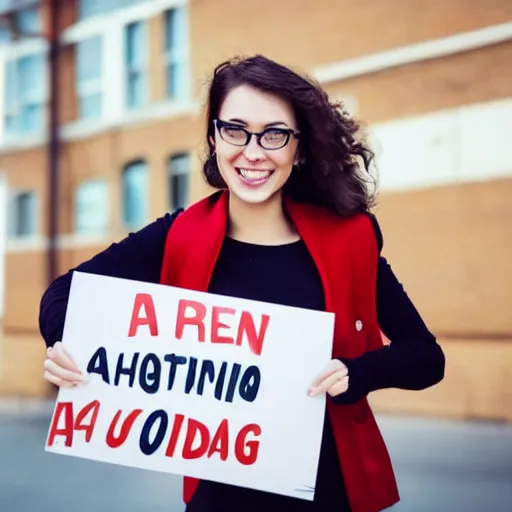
59, 368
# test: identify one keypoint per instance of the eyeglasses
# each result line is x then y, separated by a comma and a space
271, 138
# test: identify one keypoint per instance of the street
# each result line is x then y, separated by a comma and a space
441, 466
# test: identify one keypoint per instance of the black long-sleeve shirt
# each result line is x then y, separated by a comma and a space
285, 275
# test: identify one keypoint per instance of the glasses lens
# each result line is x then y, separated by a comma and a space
233, 135
274, 139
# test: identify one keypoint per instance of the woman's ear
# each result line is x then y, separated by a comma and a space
299, 160
299, 156
212, 141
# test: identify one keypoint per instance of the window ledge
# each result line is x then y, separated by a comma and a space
23, 141
78, 240
37, 243
165, 110
26, 244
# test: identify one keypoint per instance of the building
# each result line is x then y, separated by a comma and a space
432, 81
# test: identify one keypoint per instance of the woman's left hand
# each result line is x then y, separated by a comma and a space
333, 380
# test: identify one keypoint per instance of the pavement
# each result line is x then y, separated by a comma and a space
441, 466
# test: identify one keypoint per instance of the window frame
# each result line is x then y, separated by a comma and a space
14, 194
15, 106
90, 86
145, 215
139, 68
179, 56
172, 174
106, 225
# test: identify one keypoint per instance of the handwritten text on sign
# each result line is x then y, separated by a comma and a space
194, 384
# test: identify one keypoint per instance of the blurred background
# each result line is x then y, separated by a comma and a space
101, 131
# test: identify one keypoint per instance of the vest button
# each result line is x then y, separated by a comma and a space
359, 325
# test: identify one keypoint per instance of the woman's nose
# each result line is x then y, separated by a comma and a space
253, 151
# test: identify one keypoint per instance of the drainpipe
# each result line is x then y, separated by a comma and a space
53, 138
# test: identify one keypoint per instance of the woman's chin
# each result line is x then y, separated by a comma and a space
253, 195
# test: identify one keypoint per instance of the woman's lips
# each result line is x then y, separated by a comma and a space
254, 177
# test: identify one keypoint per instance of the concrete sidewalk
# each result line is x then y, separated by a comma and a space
25, 406
441, 466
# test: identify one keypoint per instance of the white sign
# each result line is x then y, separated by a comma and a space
195, 384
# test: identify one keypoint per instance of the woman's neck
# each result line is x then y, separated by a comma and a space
261, 223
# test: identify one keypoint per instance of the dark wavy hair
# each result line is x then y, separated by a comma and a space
334, 169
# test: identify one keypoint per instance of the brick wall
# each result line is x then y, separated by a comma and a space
471, 77
305, 33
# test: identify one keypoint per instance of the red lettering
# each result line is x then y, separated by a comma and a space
143, 299
220, 441
67, 431
241, 444
195, 427
199, 442
217, 324
176, 428
197, 319
94, 409
116, 442
248, 327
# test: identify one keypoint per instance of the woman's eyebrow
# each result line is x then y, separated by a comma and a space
240, 121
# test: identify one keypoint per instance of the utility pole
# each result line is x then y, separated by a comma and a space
53, 136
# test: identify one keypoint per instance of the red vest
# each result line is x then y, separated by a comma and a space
346, 254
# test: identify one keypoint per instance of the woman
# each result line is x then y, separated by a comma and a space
290, 225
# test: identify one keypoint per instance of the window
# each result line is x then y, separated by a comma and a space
5, 35
88, 78
176, 52
135, 194
179, 172
136, 55
23, 215
25, 21
24, 94
89, 8
28, 20
91, 207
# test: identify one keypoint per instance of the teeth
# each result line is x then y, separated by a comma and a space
254, 175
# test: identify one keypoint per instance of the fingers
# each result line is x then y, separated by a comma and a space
60, 369
333, 380
333, 366
62, 373
58, 354
57, 381
339, 387
334, 385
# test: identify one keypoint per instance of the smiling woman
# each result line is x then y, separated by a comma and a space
254, 153
265, 118
290, 224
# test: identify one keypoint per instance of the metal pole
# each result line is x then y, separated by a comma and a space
53, 138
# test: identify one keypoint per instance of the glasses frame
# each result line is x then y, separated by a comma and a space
219, 124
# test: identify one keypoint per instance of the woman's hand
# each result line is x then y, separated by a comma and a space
59, 368
333, 380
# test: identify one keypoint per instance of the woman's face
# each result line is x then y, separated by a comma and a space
253, 173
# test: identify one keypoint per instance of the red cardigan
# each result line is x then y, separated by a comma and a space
346, 255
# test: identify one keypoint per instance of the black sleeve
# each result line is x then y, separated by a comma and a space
413, 360
137, 257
